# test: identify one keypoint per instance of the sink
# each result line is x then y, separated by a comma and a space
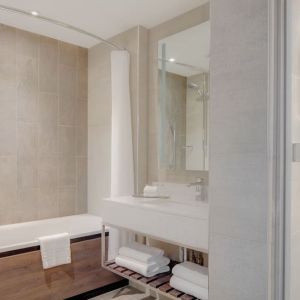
155, 201
185, 224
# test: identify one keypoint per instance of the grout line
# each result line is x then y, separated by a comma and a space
38, 126
58, 131
16, 133
76, 126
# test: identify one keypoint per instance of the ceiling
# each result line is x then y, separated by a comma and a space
104, 18
191, 55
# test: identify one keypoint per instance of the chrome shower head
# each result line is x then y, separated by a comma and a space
193, 85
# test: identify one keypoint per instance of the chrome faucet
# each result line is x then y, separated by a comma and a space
197, 183
200, 189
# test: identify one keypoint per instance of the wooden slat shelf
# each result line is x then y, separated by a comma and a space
159, 283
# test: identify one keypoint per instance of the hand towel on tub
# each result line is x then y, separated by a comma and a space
147, 270
55, 250
141, 252
192, 272
189, 288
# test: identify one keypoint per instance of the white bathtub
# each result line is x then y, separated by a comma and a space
24, 235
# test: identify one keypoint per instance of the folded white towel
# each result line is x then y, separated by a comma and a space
147, 270
151, 191
192, 272
189, 288
141, 252
55, 250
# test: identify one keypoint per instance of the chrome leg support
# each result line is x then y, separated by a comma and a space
147, 241
103, 246
183, 254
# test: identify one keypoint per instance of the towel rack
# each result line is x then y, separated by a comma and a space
158, 284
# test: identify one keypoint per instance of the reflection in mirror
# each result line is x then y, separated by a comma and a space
183, 63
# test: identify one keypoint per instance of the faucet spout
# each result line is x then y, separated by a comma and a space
198, 182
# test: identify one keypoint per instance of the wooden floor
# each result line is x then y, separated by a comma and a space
23, 278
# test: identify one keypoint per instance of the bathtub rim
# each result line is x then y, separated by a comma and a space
37, 247
33, 245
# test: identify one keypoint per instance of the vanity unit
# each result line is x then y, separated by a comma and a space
181, 224
178, 156
185, 225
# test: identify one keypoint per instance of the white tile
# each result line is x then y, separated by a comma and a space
238, 187
238, 269
237, 196
295, 266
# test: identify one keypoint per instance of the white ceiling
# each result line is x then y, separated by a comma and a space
104, 18
188, 50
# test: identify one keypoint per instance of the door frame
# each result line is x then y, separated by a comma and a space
278, 144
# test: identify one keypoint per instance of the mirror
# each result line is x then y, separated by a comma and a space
183, 66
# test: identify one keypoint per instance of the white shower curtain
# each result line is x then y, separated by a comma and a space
122, 169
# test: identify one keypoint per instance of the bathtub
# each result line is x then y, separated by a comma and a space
24, 235
23, 277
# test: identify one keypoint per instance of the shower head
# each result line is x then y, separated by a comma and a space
193, 85
199, 90
196, 88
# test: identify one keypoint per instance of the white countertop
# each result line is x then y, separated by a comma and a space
197, 210
184, 224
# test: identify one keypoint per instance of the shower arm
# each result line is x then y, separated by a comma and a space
181, 64
59, 23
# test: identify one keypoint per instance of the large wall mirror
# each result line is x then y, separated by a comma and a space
183, 66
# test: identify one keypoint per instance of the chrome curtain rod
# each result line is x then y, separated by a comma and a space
59, 23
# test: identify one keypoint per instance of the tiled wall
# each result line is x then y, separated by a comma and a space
175, 101
187, 20
43, 127
239, 180
99, 111
196, 112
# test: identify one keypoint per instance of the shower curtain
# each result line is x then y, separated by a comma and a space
122, 169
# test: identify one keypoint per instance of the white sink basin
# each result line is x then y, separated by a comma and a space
193, 210
165, 219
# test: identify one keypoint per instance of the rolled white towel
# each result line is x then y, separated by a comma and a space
147, 270
192, 272
141, 252
151, 191
189, 288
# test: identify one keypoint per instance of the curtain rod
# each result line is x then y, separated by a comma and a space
59, 23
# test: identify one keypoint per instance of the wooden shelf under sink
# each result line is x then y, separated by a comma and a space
160, 283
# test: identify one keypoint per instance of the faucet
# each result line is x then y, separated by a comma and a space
200, 192
198, 183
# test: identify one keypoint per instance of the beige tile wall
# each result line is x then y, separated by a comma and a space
43, 127
175, 95
182, 22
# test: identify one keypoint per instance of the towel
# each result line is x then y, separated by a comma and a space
147, 270
189, 288
192, 272
118, 238
55, 250
151, 191
141, 252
